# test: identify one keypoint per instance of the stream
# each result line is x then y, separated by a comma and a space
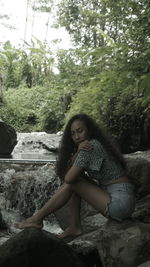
27, 180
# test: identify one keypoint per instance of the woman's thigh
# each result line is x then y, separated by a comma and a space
92, 193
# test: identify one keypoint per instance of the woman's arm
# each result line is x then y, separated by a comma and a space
85, 145
75, 172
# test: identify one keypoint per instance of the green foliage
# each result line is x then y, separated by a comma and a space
81, 19
31, 65
52, 113
42, 5
106, 75
119, 102
9, 65
34, 109
21, 107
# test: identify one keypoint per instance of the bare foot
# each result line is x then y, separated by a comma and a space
70, 234
30, 222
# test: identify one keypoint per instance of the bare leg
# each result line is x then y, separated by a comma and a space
59, 199
90, 192
74, 228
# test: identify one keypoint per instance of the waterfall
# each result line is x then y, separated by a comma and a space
26, 183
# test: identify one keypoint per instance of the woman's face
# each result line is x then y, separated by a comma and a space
79, 132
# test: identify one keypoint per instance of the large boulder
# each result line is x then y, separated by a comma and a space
8, 139
125, 244
37, 248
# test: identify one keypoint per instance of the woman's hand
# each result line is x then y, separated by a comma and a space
85, 145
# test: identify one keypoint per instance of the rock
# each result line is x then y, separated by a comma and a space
3, 224
1, 219
8, 138
146, 264
125, 244
37, 248
142, 210
139, 171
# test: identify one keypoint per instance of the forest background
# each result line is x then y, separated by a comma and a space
106, 73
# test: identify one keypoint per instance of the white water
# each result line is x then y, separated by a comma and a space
23, 192
36, 145
25, 187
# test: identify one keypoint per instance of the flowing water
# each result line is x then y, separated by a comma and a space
24, 188
27, 180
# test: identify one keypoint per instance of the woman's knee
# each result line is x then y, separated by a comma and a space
72, 186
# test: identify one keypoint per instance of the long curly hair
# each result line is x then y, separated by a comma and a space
67, 147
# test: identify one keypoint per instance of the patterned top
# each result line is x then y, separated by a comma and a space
98, 164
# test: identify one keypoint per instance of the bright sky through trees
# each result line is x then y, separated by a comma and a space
36, 25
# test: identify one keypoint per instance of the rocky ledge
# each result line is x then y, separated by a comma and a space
103, 243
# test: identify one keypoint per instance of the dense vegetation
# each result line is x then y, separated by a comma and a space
106, 74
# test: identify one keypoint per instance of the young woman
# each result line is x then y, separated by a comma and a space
92, 169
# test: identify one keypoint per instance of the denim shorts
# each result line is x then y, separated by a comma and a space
122, 202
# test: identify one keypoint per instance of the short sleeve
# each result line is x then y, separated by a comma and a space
91, 160
82, 160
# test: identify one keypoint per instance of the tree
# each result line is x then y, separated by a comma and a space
31, 65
